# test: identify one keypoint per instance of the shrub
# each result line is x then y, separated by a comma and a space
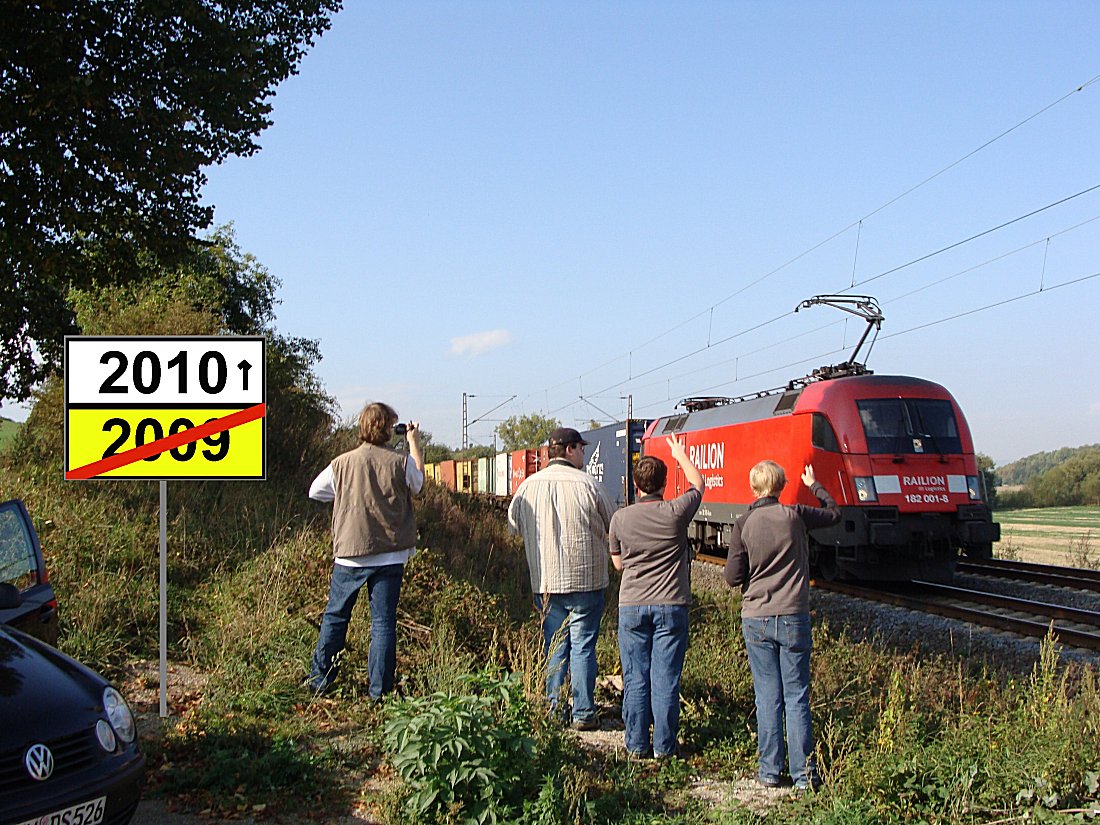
465, 757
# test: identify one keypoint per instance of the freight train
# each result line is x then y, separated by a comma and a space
895, 451
610, 457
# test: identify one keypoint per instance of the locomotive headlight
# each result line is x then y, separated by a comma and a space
865, 488
973, 488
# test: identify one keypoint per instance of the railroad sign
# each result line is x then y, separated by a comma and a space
185, 407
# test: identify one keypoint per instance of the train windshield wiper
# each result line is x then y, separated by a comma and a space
926, 432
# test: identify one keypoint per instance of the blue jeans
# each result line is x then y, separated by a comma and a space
383, 589
572, 651
652, 643
779, 656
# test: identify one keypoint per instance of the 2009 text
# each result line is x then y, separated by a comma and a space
150, 429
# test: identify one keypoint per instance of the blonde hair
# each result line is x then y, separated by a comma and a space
376, 423
767, 479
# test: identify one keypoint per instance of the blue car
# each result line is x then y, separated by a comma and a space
69, 750
22, 565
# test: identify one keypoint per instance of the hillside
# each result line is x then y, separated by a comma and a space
1024, 469
8, 429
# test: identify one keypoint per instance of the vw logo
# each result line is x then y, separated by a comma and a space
39, 762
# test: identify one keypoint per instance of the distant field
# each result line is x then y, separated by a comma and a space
8, 429
1051, 535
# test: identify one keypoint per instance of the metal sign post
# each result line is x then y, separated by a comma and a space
165, 407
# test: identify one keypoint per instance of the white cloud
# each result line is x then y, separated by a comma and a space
480, 343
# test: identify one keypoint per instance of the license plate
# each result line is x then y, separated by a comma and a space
86, 813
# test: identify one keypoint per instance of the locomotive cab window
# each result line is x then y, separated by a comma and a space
909, 426
675, 424
823, 437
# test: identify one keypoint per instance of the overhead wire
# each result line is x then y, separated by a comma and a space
857, 223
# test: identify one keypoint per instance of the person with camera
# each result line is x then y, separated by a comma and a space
373, 536
563, 517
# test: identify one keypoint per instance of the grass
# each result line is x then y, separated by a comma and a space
8, 430
1054, 535
901, 736
1047, 517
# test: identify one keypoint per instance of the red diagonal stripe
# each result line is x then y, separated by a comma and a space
161, 445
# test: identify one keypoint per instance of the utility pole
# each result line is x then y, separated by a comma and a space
465, 421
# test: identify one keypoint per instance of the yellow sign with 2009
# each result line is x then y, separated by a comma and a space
183, 407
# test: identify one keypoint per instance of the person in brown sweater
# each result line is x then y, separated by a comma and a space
373, 535
769, 559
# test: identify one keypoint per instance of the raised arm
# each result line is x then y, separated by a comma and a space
412, 435
691, 472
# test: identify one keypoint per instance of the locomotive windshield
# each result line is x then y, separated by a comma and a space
909, 425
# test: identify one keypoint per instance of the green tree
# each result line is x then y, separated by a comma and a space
109, 112
218, 290
476, 451
1071, 482
525, 432
989, 478
434, 453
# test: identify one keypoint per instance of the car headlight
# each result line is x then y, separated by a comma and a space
865, 488
118, 714
106, 736
973, 488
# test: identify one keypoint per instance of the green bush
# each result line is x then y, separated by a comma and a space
465, 757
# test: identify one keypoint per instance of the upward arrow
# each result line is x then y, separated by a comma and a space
244, 367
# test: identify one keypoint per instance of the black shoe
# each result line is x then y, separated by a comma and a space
770, 783
316, 687
586, 724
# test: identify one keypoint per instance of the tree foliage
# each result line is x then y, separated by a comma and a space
987, 468
1025, 469
219, 290
1073, 481
525, 432
109, 112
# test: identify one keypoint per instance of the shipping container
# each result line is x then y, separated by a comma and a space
448, 474
485, 476
524, 463
431, 473
503, 472
467, 476
610, 457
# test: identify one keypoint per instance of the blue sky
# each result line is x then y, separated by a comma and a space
556, 200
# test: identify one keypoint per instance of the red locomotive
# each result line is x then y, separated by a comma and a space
894, 451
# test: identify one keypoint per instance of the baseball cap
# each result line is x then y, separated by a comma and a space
565, 436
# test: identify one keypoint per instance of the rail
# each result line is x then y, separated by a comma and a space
1076, 577
939, 599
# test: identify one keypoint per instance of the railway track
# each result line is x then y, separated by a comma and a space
1073, 626
1027, 571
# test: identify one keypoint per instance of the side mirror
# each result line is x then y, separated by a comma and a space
10, 597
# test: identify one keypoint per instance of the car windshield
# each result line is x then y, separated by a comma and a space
909, 425
18, 563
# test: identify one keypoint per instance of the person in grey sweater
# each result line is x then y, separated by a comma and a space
649, 544
769, 560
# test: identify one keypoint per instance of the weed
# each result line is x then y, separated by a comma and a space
1008, 550
1080, 552
464, 757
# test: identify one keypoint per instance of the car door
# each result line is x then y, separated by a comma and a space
22, 565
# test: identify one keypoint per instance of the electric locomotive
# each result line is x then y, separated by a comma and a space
894, 451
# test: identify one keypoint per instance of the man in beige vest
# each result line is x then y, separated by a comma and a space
373, 536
